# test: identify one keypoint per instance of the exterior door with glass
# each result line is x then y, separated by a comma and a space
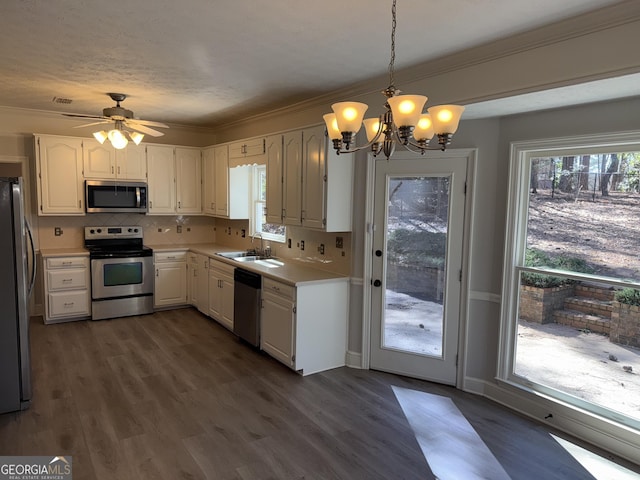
419, 207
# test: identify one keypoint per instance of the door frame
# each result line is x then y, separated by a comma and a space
470, 154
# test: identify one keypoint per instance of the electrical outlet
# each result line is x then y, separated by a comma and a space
57, 231
229, 231
288, 243
188, 229
339, 242
321, 249
179, 228
301, 244
244, 233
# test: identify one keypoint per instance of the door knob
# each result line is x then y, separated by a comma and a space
377, 283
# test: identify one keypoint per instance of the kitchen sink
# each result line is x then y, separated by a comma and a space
243, 257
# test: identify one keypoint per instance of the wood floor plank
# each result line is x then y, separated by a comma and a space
174, 395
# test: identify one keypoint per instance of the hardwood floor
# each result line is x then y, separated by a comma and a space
174, 395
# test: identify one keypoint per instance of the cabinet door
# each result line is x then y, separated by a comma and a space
60, 179
274, 179
171, 284
202, 287
131, 163
292, 177
226, 307
277, 331
221, 155
314, 179
99, 159
215, 293
161, 171
188, 180
208, 181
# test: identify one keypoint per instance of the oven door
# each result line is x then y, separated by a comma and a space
121, 277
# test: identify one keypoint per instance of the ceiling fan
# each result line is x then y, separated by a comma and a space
123, 122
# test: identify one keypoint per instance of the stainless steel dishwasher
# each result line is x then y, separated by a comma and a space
246, 305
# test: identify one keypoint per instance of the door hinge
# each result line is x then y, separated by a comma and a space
456, 359
460, 277
295, 310
465, 188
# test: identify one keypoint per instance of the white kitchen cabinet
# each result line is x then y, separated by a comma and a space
292, 178
188, 180
103, 162
278, 320
273, 154
305, 327
198, 281
308, 184
246, 149
221, 290
170, 286
59, 170
131, 163
161, 182
225, 189
67, 288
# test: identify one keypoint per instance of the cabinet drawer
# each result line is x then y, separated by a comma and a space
68, 304
247, 148
67, 262
221, 267
67, 279
278, 288
170, 256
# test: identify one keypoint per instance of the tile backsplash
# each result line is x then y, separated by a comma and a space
327, 251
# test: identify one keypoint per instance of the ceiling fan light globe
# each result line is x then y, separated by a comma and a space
117, 139
136, 137
100, 136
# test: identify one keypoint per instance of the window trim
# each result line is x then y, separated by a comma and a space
520, 155
255, 188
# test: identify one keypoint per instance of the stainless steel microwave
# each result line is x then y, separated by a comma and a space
105, 196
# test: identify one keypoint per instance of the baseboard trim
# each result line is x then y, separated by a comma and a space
474, 385
353, 359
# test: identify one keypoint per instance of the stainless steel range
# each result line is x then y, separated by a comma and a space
121, 272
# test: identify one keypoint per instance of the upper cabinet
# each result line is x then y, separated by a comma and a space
102, 161
251, 147
308, 184
188, 180
225, 189
59, 170
174, 180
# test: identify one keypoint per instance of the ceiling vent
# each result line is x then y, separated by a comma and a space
65, 101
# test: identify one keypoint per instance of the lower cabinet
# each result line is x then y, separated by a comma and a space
221, 292
67, 288
170, 287
305, 327
198, 281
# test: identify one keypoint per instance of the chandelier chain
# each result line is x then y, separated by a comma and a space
393, 44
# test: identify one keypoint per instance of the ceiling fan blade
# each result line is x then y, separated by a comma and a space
82, 116
148, 123
93, 123
143, 129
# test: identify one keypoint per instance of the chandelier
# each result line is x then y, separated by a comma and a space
118, 136
402, 120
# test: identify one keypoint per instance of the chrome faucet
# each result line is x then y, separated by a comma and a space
262, 251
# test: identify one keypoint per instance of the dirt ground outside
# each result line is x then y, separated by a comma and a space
605, 233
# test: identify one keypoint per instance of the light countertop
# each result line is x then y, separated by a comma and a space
64, 252
294, 272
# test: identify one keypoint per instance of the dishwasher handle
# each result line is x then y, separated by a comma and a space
246, 277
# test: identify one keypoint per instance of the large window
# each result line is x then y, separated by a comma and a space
259, 225
571, 322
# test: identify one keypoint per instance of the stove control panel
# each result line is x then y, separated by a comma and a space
112, 232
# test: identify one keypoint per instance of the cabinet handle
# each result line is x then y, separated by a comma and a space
79, 203
67, 280
67, 263
179, 205
111, 168
150, 204
118, 170
213, 206
171, 258
157, 273
69, 304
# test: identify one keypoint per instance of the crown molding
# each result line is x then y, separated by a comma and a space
603, 19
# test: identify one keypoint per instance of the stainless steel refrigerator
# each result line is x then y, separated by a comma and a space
17, 274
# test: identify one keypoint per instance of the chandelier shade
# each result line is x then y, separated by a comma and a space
403, 119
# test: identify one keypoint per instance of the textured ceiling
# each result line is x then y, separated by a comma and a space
199, 62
